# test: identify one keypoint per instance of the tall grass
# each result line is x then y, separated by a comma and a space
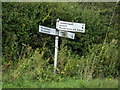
25, 82
100, 63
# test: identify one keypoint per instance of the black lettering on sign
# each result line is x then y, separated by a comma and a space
69, 29
45, 31
74, 29
71, 36
66, 23
45, 28
79, 30
82, 26
70, 23
63, 25
62, 28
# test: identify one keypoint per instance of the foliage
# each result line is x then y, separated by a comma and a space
65, 83
26, 52
21, 22
100, 62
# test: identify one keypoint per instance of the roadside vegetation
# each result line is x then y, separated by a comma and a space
89, 61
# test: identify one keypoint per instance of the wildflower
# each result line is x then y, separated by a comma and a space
77, 65
23, 25
9, 63
110, 79
62, 72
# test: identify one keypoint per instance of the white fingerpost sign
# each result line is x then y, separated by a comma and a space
62, 28
47, 30
67, 34
70, 26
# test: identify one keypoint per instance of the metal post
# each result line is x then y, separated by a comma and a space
56, 53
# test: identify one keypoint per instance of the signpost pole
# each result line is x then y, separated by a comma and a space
56, 53
61, 28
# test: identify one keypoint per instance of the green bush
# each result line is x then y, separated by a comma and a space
21, 20
88, 55
101, 61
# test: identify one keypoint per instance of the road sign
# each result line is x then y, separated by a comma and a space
63, 27
67, 34
47, 30
70, 26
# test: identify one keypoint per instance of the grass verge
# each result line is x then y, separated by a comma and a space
63, 83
